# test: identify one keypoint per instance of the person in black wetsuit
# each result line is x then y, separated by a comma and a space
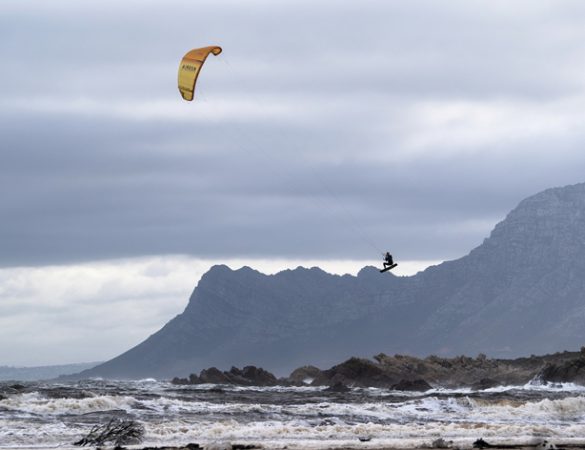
388, 261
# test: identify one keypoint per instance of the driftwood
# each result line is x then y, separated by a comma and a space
116, 431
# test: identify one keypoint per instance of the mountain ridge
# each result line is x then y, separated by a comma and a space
501, 299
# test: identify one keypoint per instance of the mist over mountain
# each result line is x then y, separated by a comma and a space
521, 291
41, 372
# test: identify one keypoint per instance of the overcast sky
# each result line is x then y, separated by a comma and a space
325, 131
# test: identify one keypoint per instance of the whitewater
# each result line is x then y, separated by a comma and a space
51, 415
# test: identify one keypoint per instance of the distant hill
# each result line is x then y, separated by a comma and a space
42, 372
521, 291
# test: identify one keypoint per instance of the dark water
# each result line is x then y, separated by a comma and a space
48, 415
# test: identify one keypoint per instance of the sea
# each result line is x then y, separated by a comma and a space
39, 415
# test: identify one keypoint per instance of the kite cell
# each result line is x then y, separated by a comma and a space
190, 67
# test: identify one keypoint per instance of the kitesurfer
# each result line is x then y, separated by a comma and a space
388, 261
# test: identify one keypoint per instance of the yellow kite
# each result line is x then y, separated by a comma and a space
190, 67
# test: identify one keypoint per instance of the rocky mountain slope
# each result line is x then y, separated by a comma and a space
521, 291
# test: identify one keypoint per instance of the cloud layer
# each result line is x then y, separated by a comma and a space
322, 131
98, 310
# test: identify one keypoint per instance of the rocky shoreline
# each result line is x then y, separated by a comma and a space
409, 373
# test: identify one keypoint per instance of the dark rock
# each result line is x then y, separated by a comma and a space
441, 443
480, 443
338, 387
234, 371
248, 376
484, 383
412, 385
409, 373
283, 381
214, 376
186, 447
361, 372
327, 423
251, 376
258, 376
237, 379
365, 438
462, 371
304, 375
194, 379
244, 446
572, 371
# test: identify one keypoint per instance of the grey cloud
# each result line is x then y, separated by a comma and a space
419, 48
85, 186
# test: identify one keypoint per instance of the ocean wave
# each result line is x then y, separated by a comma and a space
299, 417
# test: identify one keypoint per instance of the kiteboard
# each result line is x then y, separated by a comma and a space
386, 269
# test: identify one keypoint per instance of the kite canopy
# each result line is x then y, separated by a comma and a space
190, 67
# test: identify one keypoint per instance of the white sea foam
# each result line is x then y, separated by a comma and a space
147, 381
538, 385
275, 434
37, 404
177, 415
235, 388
